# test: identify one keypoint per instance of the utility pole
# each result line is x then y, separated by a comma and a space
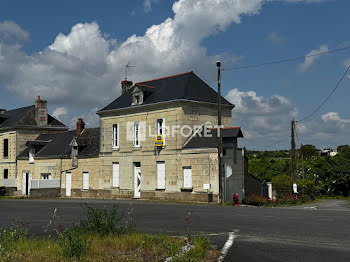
221, 177
293, 171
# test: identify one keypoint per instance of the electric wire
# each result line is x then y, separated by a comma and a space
286, 60
324, 101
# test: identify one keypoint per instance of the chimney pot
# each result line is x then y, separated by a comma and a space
41, 112
126, 85
80, 126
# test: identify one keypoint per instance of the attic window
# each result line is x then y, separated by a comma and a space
137, 98
31, 155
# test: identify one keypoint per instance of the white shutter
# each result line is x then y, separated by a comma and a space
187, 177
68, 184
160, 175
85, 180
115, 174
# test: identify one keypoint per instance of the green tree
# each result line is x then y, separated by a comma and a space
308, 151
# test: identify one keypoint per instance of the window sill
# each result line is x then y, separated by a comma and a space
186, 189
136, 148
115, 148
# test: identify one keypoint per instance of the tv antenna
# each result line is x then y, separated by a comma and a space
127, 67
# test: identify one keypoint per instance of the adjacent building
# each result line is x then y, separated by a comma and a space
18, 126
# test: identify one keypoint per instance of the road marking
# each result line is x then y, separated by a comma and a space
312, 208
227, 246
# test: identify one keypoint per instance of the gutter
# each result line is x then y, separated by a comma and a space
110, 111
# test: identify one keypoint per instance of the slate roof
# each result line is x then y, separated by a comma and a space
58, 144
186, 86
227, 134
25, 116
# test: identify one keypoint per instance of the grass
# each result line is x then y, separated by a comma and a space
128, 247
335, 197
103, 235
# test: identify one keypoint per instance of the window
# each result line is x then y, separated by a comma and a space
6, 148
160, 127
31, 155
115, 136
115, 175
160, 175
85, 180
136, 134
6, 173
45, 176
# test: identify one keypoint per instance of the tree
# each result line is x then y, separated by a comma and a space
344, 151
308, 151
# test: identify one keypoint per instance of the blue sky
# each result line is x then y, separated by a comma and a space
72, 53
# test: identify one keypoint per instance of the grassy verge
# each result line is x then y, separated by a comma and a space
104, 235
130, 247
335, 197
284, 200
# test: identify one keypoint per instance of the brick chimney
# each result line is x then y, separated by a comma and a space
126, 85
41, 112
80, 126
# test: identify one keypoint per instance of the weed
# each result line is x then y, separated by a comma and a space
73, 244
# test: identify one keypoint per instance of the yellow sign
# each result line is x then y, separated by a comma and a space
158, 141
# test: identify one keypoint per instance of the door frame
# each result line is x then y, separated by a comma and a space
26, 182
137, 175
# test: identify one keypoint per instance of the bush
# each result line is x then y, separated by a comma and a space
282, 182
9, 236
104, 222
73, 244
257, 200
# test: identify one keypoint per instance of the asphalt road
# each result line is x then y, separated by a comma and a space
319, 232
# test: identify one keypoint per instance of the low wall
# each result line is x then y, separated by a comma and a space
151, 195
44, 192
45, 183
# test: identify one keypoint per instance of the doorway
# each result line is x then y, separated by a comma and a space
137, 180
26, 183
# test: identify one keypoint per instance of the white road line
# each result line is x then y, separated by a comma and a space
227, 246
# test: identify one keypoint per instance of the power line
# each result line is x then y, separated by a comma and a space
324, 101
286, 60
280, 141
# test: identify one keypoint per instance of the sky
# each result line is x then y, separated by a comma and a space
73, 54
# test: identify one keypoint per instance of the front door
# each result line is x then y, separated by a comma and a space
137, 181
26, 183
68, 184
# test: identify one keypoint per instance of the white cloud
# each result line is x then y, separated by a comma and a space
58, 112
10, 31
274, 38
309, 61
263, 120
147, 5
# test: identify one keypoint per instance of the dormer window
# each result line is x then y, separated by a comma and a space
31, 155
137, 97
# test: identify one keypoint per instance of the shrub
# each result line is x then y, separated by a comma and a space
104, 222
257, 200
282, 182
73, 244
9, 236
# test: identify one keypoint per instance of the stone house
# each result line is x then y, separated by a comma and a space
175, 107
52, 163
158, 140
17, 126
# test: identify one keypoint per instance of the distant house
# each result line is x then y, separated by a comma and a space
158, 140
328, 152
17, 126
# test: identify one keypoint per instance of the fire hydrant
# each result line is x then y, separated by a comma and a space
235, 199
